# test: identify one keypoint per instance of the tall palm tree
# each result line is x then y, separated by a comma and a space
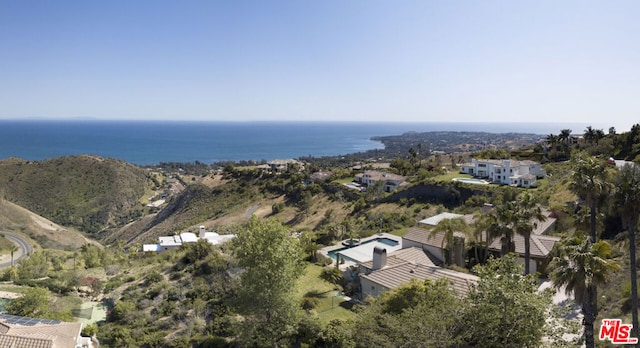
488, 225
552, 140
506, 219
565, 135
13, 249
589, 182
527, 216
589, 134
449, 227
627, 199
580, 267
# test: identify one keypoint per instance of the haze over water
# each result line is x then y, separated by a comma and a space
152, 142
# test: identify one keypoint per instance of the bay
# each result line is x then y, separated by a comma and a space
152, 142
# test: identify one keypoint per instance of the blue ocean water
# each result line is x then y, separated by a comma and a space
152, 142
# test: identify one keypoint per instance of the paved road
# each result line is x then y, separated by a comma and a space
24, 248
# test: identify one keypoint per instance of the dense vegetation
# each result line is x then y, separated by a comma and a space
201, 295
87, 192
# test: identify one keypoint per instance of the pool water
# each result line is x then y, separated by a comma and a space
471, 181
383, 240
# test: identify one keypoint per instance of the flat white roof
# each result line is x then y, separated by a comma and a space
188, 237
170, 241
151, 247
435, 220
364, 252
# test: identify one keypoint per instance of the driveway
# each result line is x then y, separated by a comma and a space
24, 248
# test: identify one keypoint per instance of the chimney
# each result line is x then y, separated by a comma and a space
202, 231
379, 258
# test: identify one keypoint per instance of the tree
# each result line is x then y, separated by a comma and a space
272, 262
580, 268
589, 182
505, 307
13, 249
33, 267
418, 314
332, 275
507, 219
488, 225
527, 215
627, 199
33, 304
449, 227
564, 136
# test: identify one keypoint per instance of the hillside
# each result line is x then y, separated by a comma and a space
45, 233
87, 192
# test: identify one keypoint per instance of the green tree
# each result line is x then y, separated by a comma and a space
627, 200
332, 275
418, 314
505, 308
580, 268
589, 182
272, 262
33, 304
528, 215
449, 227
33, 267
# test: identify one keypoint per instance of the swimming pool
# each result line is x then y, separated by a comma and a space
383, 240
471, 181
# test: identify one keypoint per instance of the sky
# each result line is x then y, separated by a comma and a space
331, 60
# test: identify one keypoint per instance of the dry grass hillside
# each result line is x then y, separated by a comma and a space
43, 232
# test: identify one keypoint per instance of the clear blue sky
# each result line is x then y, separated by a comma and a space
448, 60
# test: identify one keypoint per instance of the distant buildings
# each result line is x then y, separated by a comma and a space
166, 243
505, 172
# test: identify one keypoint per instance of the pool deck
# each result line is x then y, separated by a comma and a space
325, 251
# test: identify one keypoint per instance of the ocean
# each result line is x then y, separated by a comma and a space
152, 142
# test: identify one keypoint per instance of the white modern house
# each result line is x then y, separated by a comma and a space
505, 172
389, 181
171, 242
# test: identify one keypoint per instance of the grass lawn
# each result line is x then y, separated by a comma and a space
329, 306
450, 176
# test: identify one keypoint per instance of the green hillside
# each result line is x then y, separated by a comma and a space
87, 192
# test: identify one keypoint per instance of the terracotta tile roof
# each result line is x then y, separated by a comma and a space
8, 341
59, 334
393, 277
424, 236
410, 255
541, 245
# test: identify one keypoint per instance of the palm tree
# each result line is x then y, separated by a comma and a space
589, 182
564, 136
580, 268
13, 249
449, 227
627, 199
527, 215
488, 225
552, 140
589, 134
506, 218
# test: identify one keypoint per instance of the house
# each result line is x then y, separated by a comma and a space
280, 166
389, 181
422, 237
21, 332
166, 243
387, 272
505, 172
